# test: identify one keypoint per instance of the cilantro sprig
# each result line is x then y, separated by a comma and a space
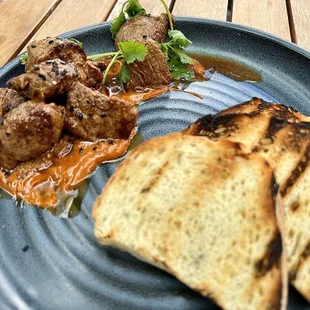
168, 13
130, 9
177, 59
129, 52
77, 42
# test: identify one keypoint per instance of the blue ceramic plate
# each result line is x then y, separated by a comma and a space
51, 263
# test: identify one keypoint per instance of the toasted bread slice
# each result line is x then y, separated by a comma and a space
281, 143
247, 130
257, 105
201, 211
296, 201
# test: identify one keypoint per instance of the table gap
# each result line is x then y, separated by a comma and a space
291, 21
172, 5
230, 5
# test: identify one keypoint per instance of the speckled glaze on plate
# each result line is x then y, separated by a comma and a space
51, 263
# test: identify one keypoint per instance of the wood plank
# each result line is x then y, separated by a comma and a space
301, 22
267, 15
72, 14
18, 20
151, 6
212, 9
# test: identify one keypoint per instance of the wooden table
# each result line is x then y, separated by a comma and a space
24, 20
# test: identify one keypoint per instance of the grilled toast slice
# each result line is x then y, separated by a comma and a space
285, 145
296, 202
247, 130
257, 105
202, 211
280, 142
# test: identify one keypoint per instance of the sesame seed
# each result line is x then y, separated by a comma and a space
80, 116
33, 46
42, 76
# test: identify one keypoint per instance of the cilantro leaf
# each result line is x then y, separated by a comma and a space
177, 37
23, 59
124, 75
117, 23
132, 51
184, 58
180, 70
76, 41
134, 9
164, 48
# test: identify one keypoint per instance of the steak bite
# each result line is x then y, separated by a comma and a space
9, 99
152, 72
52, 48
28, 131
89, 74
91, 115
144, 27
47, 79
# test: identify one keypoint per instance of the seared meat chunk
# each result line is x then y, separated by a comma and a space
90, 75
47, 79
143, 28
28, 131
91, 115
9, 99
152, 72
52, 48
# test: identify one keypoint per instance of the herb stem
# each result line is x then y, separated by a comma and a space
110, 65
168, 13
101, 55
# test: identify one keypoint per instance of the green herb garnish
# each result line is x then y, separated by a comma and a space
130, 9
76, 41
117, 23
124, 76
132, 51
168, 13
129, 51
134, 9
23, 59
177, 59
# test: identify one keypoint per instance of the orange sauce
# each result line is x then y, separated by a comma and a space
51, 179
137, 97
